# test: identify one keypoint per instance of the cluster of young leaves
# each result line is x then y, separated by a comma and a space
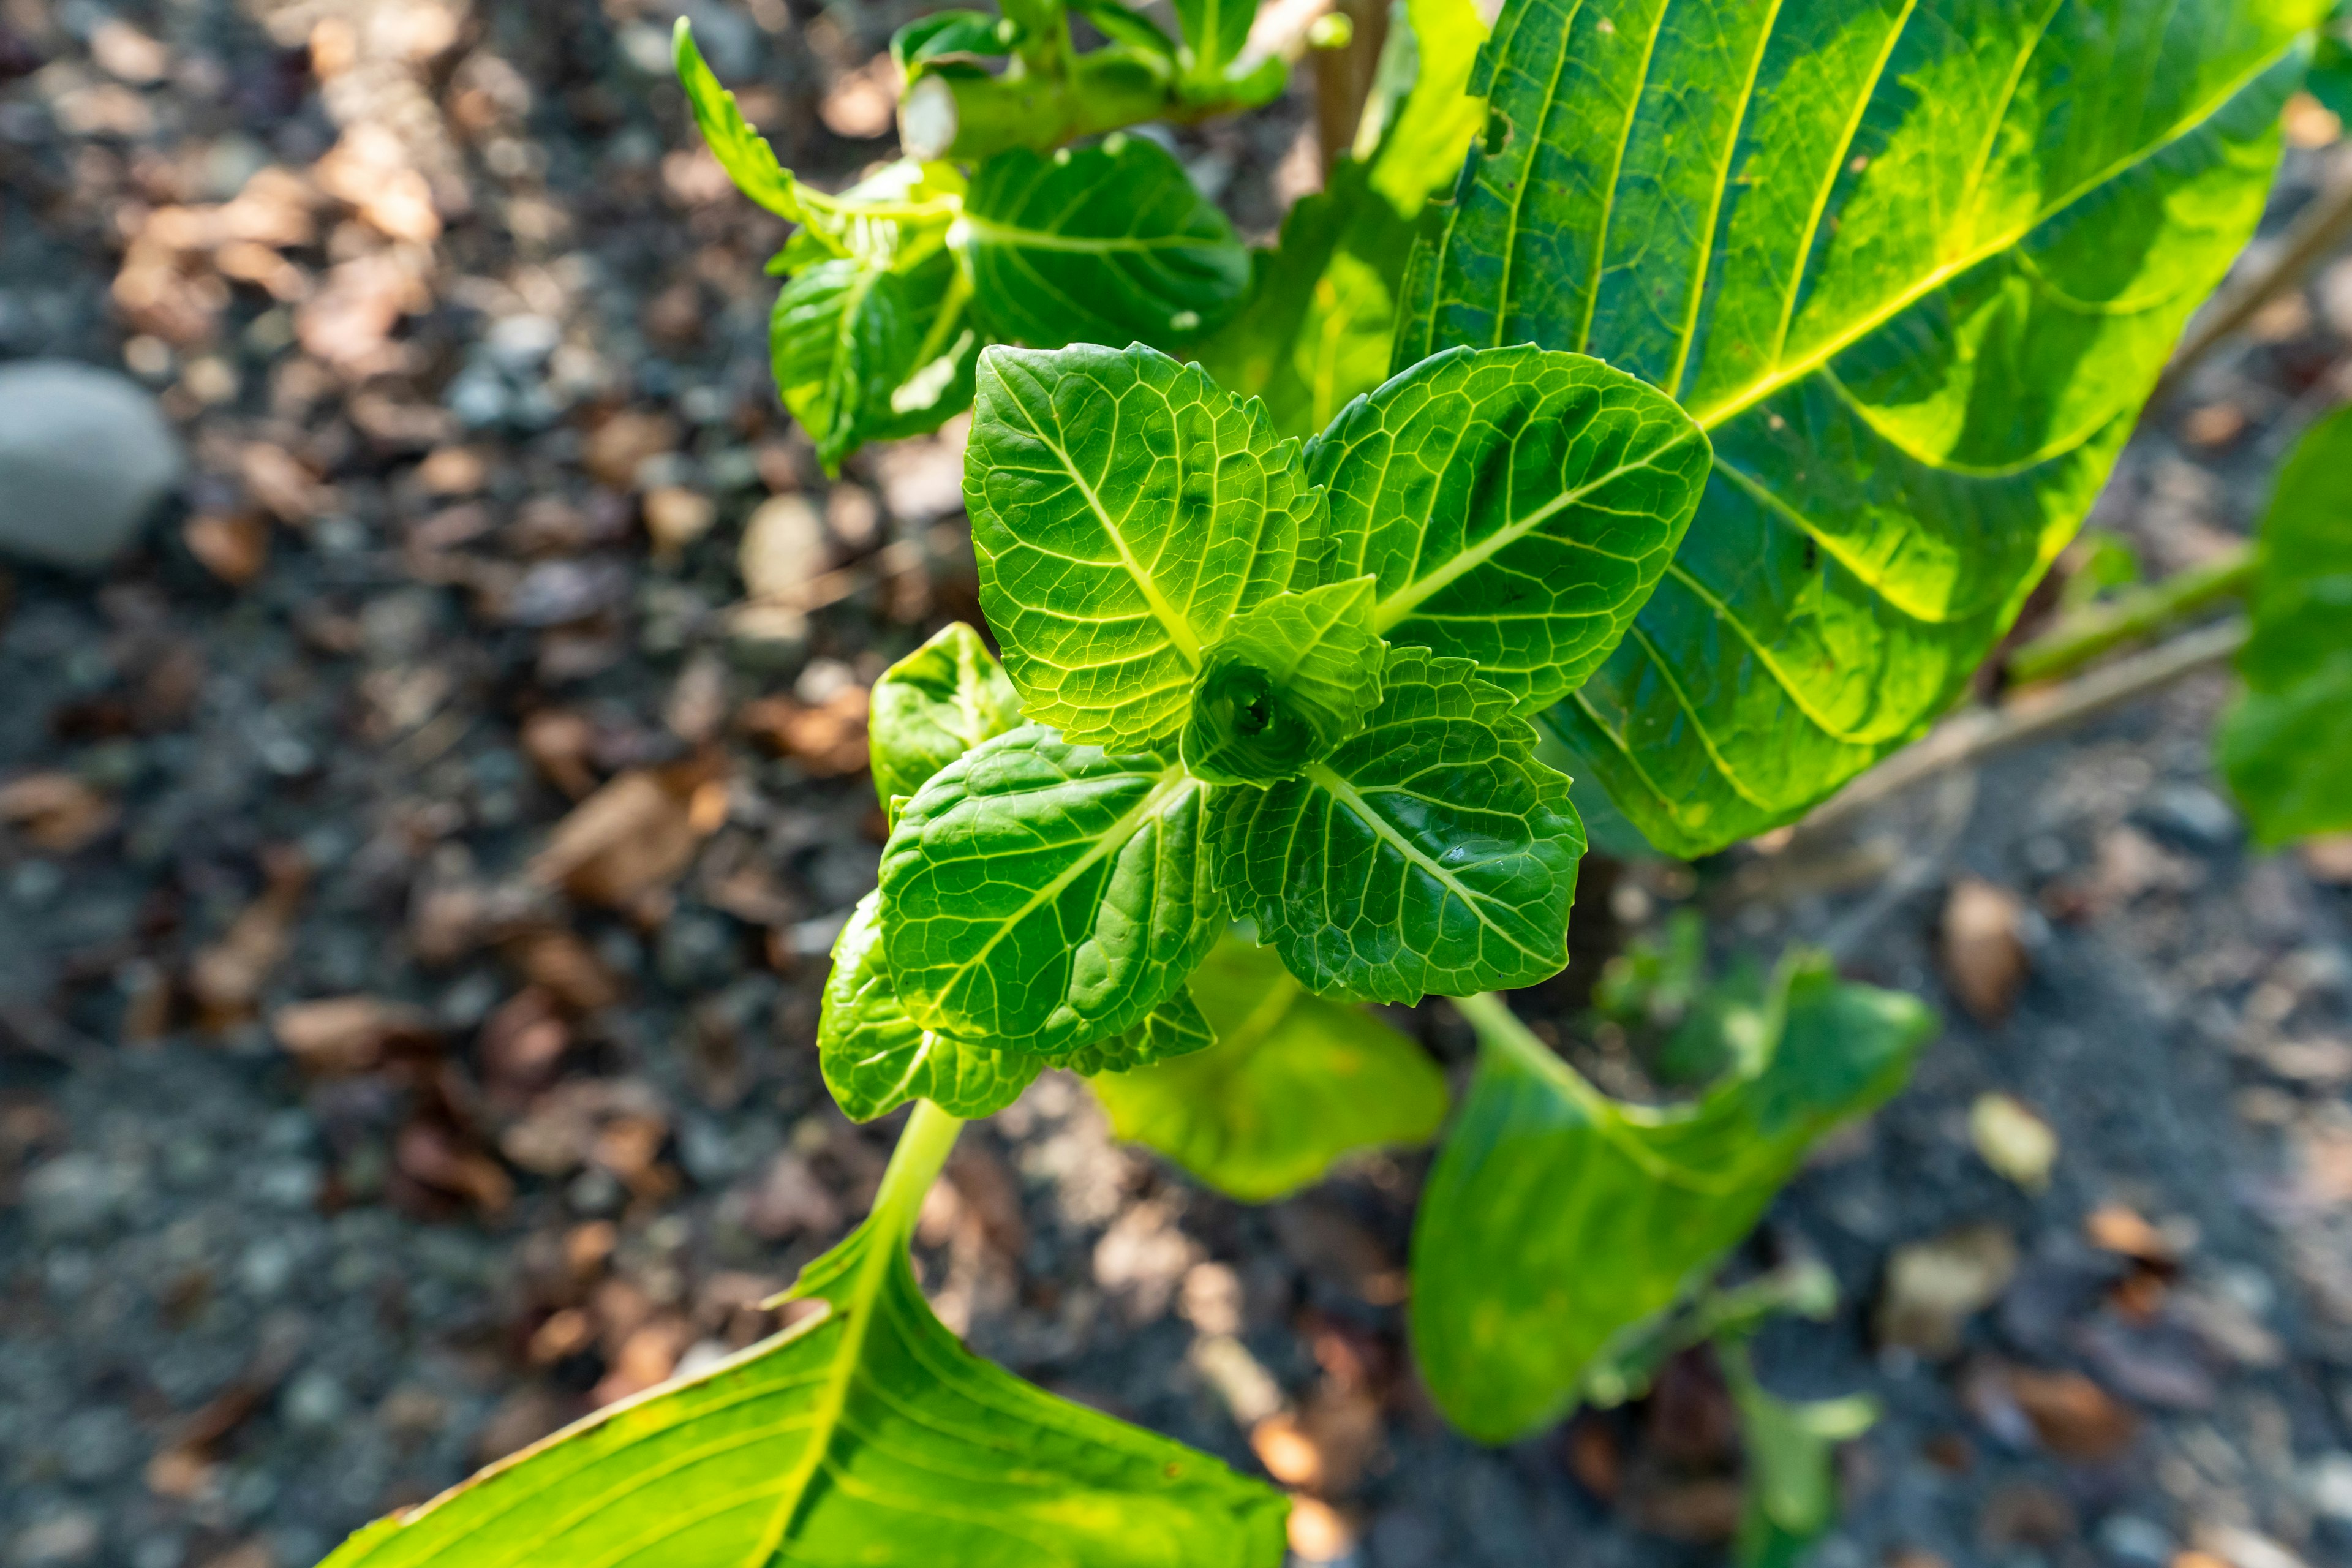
1913, 281
1558, 1223
895, 284
2285, 745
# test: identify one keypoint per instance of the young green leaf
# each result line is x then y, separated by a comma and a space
1123, 510
742, 152
2286, 743
933, 706
1516, 506
1122, 24
1556, 1218
1912, 279
1431, 853
843, 337
1108, 244
866, 1433
1790, 1498
1421, 150
1293, 1082
1044, 897
1215, 32
875, 1058
945, 33
1289, 680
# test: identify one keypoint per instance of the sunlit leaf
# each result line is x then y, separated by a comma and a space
1516, 506
1043, 897
933, 706
1214, 33
1123, 510
1289, 680
1420, 151
742, 152
944, 33
1913, 269
1556, 1218
1177, 1027
2286, 743
1431, 853
1109, 244
875, 1058
1122, 24
866, 1433
1293, 1083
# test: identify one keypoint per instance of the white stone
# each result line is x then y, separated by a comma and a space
85, 455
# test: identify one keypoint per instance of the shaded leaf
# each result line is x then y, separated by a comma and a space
1913, 279
864, 1432
1215, 32
875, 1058
1431, 853
2286, 743
945, 32
1124, 509
1121, 24
1108, 244
933, 706
1790, 1499
1556, 1218
1177, 1027
1043, 896
1288, 680
1293, 1082
1516, 506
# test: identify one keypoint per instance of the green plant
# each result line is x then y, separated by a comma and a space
1879, 295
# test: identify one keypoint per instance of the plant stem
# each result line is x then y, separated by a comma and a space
2080, 638
915, 1163
1491, 1018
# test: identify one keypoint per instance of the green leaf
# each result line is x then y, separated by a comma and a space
1431, 853
1122, 25
1177, 1027
1043, 897
875, 1058
2286, 743
1288, 680
1108, 244
1913, 269
842, 337
1790, 1498
742, 152
1293, 1083
866, 1433
2330, 80
1420, 151
1556, 1218
945, 32
1215, 32
933, 706
1515, 505
1123, 510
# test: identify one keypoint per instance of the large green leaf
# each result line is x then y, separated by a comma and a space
1043, 896
1431, 853
1108, 244
1912, 266
1124, 509
1420, 151
1177, 1027
1515, 505
864, 1434
1289, 680
875, 1058
1294, 1082
2286, 743
933, 706
1556, 1218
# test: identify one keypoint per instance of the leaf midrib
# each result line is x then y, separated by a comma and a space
1020, 238
1323, 775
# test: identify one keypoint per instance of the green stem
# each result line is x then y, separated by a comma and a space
915, 1164
1498, 1026
2142, 612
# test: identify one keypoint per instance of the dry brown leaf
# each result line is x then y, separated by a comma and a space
566, 966
234, 546
559, 743
57, 812
828, 738
2113, 1227
631, 837
2074, 1417
616, 448
341, 1035
227, 977
675, 518
646, 1358
454, 471
1934, 1287
369, 170
522, 1041
433, 1156
1983, 959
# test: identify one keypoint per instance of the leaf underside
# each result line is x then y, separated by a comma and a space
2286, 743
1912, 267
1294, 1082
1556, 1217
866, 1434
1431, 853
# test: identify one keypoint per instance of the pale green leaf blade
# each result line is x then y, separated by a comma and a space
864, 1434
1515, 505
1421, 151
933, 706
1429, 854
1556, 1218
1108, 244
742, 152
1177, 1027
1043, 896
2286, 743
1293, 1083
1913, 268
875, 1058
1215, 32
1789, 1500
1289, 680
1123, 510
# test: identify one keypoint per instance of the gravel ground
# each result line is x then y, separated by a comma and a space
369, 1106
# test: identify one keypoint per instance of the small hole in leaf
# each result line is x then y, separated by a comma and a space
1498, 132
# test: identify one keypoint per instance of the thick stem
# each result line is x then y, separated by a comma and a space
915, 1163
2144, 613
